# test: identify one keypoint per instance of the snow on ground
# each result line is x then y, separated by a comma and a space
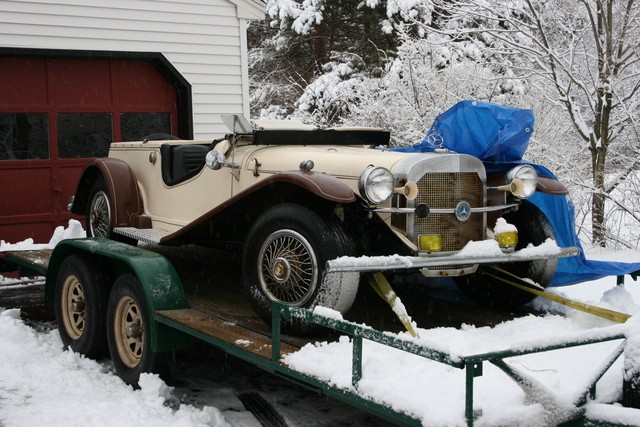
40, 384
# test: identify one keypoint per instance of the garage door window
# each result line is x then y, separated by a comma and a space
24, 136
135, 126
83, 135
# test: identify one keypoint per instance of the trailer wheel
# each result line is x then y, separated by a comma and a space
128, 332
533, 227
284, 258
80, 306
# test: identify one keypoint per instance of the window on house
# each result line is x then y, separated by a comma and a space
83, 135
24, 136
135, 126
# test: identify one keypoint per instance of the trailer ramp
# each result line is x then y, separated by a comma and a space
30, 263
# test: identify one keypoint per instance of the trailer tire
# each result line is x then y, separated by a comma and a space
81, 296
533, 228
284, 258
128, 332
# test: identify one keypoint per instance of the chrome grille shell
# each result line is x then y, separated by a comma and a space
443, 181
446, 190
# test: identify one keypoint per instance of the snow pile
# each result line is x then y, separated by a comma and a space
42, 385
502, 226
473, 250
435, 392
73, 231
483, 248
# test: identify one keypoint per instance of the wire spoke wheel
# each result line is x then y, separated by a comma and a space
99, 216
128, 332
288, 268
284, 260
73, 307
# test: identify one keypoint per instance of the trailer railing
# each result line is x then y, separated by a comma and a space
472, 364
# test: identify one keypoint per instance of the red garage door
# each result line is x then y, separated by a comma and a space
55, 114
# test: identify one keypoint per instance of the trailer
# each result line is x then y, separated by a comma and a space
140, 303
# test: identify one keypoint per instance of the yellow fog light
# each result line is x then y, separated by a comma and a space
507, 240
430, 242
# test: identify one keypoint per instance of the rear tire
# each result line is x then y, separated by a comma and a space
284, 260
81, 305
100, 214
533, 227
128, 332
99, 211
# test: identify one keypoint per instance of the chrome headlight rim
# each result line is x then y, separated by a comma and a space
376, 185
529, 177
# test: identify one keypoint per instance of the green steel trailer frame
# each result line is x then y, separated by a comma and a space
175, 324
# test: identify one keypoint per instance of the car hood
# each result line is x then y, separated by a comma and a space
342, 161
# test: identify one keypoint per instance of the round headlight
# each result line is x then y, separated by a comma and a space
526, 178
376, 185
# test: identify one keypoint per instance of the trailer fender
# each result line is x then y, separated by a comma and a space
122, 189
162, 286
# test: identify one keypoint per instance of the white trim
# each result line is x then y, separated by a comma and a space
244, 61
250, 9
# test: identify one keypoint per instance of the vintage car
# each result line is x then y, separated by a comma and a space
310, 210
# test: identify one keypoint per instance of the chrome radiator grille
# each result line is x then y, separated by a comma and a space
446, 190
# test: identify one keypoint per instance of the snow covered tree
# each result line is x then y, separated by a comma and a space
427, 77
323, 48
587, 50
303, 40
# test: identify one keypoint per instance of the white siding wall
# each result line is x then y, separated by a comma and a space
203, 39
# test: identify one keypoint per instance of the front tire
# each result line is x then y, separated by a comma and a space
284, 258
128, 332
533, 228
80, 305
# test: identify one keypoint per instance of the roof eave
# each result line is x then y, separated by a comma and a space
250, 9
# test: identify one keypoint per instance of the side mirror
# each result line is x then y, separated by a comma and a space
215, 160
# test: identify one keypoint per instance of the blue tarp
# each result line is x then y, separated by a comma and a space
490, 132
499, 136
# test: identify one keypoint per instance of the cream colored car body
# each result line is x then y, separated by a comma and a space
306, 210
173, 207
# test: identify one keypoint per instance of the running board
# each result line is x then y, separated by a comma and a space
145, 235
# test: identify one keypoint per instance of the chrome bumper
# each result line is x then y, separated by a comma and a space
397, 262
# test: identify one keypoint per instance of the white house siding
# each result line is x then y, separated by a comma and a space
205, 40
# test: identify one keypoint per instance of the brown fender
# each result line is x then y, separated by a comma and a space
122, 189
324, 186
320, 184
